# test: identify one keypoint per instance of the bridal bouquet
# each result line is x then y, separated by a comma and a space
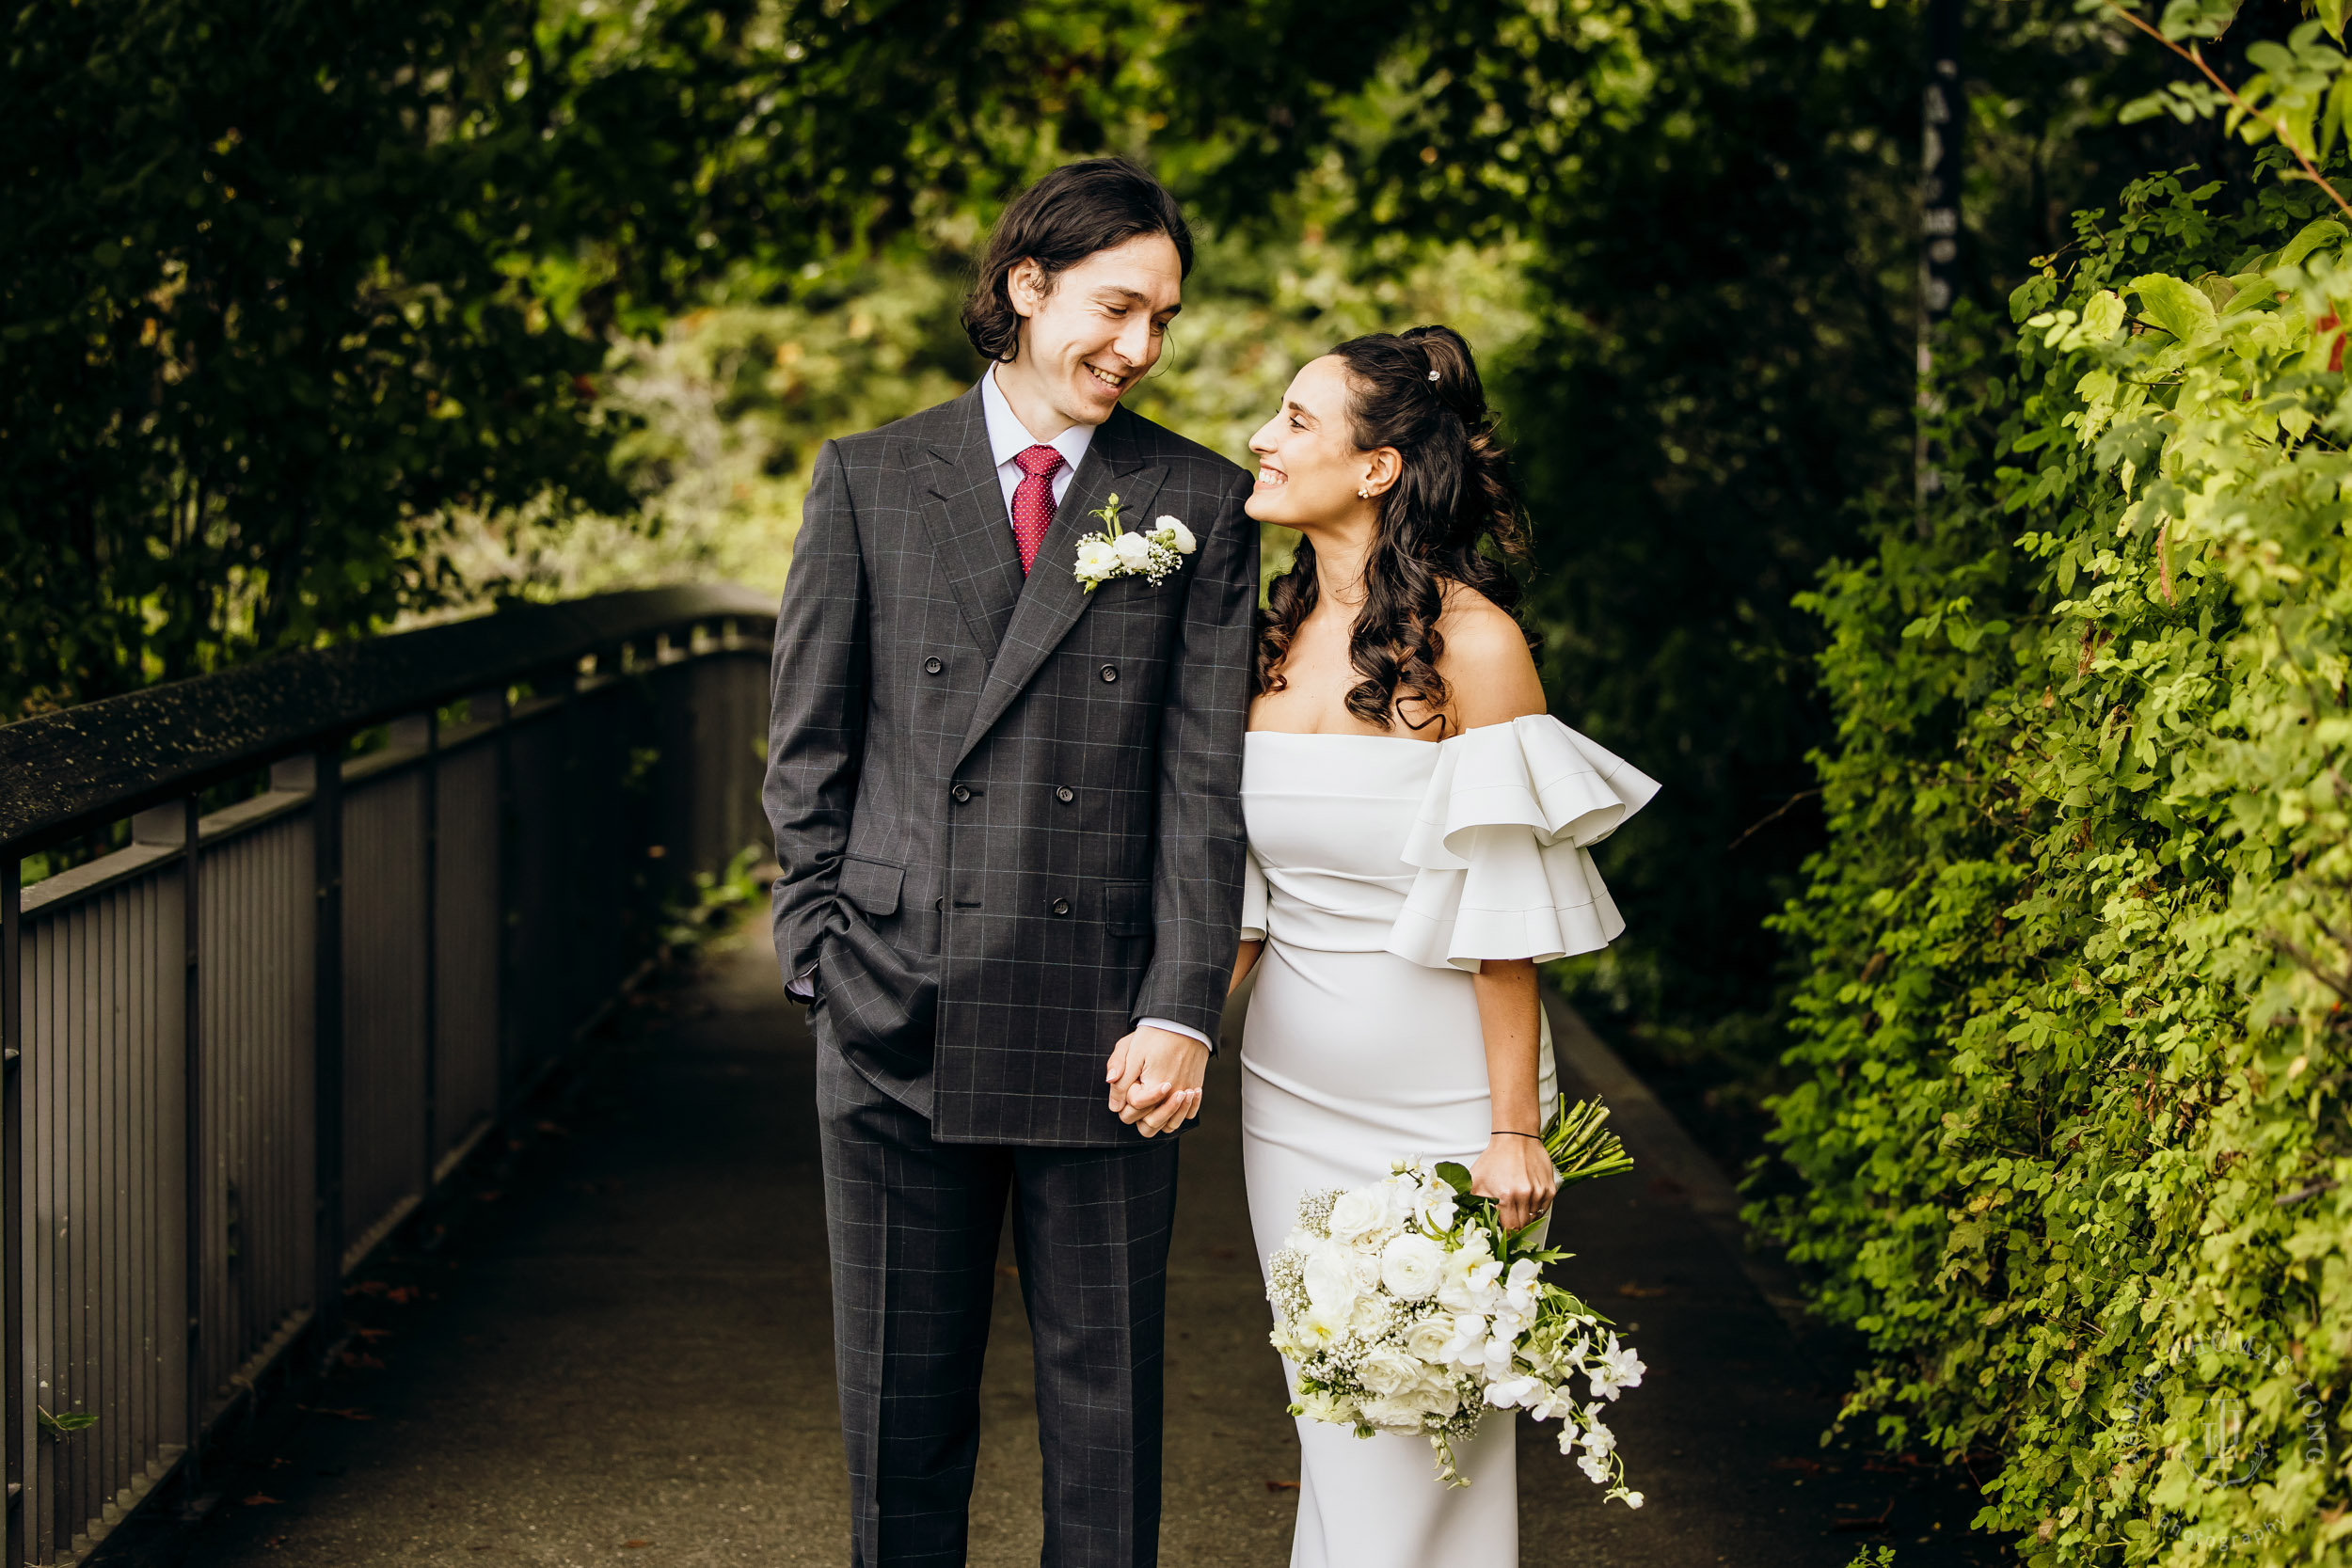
1407, 1306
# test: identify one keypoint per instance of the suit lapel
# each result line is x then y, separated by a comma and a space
970, 529
1050, 601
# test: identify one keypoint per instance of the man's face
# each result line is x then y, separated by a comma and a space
1096, 331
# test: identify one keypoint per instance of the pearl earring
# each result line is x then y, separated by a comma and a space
1362, 493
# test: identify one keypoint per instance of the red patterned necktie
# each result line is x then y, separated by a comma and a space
1033, 501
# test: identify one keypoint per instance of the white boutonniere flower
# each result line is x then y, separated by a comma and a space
1152, 554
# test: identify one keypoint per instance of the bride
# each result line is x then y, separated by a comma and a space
1418, 827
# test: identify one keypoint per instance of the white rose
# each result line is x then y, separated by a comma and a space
1438, 1397
1392, 1414
1388, 1372
1177, 536
1428, 1339
1134, 549
1096, 558
1356, 1213
1400, 1199
1412, 1267
1330, 1283
1369, 1314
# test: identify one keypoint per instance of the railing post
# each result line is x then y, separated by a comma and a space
14, 1196
507, 1013
176, 825
323, 772
424, 730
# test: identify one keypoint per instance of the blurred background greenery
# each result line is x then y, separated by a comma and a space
323, 316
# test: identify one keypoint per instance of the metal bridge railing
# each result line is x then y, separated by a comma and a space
243, 1047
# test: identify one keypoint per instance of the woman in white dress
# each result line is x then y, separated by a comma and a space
1418, 826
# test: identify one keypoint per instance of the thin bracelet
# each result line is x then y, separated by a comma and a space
1506, 1132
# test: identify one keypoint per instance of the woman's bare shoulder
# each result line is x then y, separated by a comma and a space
1490, 671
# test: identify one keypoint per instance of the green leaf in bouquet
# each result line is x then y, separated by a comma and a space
1454, 1175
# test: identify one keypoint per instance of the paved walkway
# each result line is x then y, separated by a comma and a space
621, 1355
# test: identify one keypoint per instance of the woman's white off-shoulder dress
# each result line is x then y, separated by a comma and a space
1381, 872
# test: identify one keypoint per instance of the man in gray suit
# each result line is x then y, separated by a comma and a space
1007, 809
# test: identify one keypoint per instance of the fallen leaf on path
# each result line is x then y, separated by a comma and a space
1865, 1527
1282, 1486
259, 1498
1641, 1292
1810, 1466
360, 1359
373, 1335
626, 1544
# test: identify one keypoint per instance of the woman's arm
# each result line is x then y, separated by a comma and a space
1490, 679
1515, 1171
1245, 959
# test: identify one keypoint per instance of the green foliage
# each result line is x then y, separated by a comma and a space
2072, 1116
1717, 201
733, 400
288, 289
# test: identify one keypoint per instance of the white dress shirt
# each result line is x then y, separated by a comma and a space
1007, 438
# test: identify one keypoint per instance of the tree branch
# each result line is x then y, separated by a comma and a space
2278, 127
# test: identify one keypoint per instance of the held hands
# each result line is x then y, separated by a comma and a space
1517, 1174
1154, 1077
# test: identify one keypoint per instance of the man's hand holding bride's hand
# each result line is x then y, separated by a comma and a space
1155, 1077
1516, 1172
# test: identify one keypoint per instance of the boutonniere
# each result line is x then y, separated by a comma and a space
1116, 552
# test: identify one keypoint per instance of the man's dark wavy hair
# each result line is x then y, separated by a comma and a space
1061, 220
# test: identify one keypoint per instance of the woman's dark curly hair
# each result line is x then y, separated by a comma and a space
1082, 208
1454, 515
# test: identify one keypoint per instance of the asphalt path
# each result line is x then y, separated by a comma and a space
610, 1345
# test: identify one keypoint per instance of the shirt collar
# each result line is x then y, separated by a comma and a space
1008, 437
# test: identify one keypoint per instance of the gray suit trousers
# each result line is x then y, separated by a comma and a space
914, 1225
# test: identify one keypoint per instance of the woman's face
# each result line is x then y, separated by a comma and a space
1308, 464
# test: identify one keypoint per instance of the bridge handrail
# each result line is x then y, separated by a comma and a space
82, 767
241, 1051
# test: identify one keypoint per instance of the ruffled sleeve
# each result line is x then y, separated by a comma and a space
1500, 847
1253, 899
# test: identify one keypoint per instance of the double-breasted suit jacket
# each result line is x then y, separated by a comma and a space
1007, 809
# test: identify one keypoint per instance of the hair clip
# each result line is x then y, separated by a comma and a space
1433, 376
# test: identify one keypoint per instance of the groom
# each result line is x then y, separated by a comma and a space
1007, 809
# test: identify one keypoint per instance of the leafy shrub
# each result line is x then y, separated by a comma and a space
2071, 1114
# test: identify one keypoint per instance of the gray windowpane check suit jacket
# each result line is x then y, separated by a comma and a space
1007, 810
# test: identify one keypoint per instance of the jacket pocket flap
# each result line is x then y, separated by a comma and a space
871, 885
1127, 909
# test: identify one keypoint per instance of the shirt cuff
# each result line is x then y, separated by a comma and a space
1177, 1029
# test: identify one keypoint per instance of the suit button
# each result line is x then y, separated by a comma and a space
1065, 794
1060, 906
1110, 673
939, 905
933, 667
963, 794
